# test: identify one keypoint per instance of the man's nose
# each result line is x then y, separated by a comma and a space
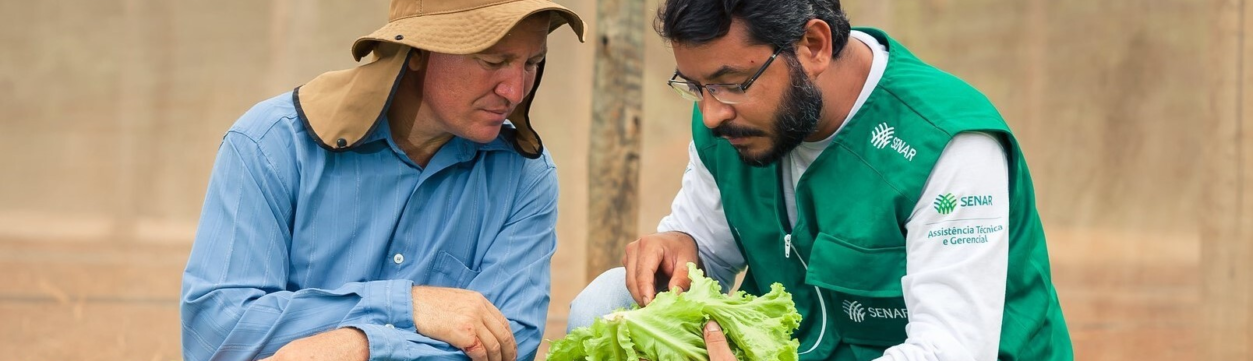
715, 112
513, 85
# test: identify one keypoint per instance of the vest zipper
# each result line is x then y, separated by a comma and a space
787, 252
787, 247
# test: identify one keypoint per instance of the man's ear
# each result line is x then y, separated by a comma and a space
417, 60
814, 48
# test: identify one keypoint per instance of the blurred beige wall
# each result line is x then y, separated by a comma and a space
111, 112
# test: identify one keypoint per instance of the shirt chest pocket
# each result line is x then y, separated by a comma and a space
448, 271
868, 306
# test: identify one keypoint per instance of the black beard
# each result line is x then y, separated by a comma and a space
796, 119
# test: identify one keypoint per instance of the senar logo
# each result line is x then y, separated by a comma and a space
974, 201
855, 311
882, 135
945, 203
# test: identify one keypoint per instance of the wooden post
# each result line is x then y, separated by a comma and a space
1227, 228
614, 159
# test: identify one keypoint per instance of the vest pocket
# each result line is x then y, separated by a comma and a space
868, 305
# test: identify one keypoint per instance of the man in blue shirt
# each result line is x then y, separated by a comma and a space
403, 209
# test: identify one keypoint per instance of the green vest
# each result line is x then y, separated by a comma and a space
852, 204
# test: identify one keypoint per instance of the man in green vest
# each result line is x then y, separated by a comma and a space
889, 197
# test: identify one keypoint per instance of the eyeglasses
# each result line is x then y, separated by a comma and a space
729, 93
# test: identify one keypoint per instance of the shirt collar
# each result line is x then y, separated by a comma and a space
460, 149
381, 131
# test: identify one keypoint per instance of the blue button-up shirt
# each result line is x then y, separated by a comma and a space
295, 240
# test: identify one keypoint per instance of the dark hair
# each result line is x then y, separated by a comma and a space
772, 22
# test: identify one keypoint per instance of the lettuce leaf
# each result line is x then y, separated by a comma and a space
672, 326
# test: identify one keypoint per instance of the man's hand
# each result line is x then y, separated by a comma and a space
337, 345
659, 255
716, 343
465, 320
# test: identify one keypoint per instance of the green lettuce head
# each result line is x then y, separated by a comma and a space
672, 326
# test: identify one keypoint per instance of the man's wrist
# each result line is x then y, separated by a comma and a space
414, 293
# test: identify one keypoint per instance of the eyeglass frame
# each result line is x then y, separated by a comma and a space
743, 87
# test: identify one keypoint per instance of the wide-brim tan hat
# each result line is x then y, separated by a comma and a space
341, 108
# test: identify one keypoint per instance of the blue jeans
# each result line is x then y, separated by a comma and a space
604, 295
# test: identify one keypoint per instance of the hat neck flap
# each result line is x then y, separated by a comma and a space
341, 108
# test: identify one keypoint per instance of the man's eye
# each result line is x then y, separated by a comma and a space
493, 64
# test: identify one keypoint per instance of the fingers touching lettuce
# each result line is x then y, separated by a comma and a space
671, 327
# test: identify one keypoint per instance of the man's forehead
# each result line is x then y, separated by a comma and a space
731, 54
716, 59
515, 51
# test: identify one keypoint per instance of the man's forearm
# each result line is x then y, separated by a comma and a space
344, 344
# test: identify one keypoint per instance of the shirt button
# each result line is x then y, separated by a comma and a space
398, 258
390, 326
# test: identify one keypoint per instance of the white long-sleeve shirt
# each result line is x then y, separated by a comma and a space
954, 292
